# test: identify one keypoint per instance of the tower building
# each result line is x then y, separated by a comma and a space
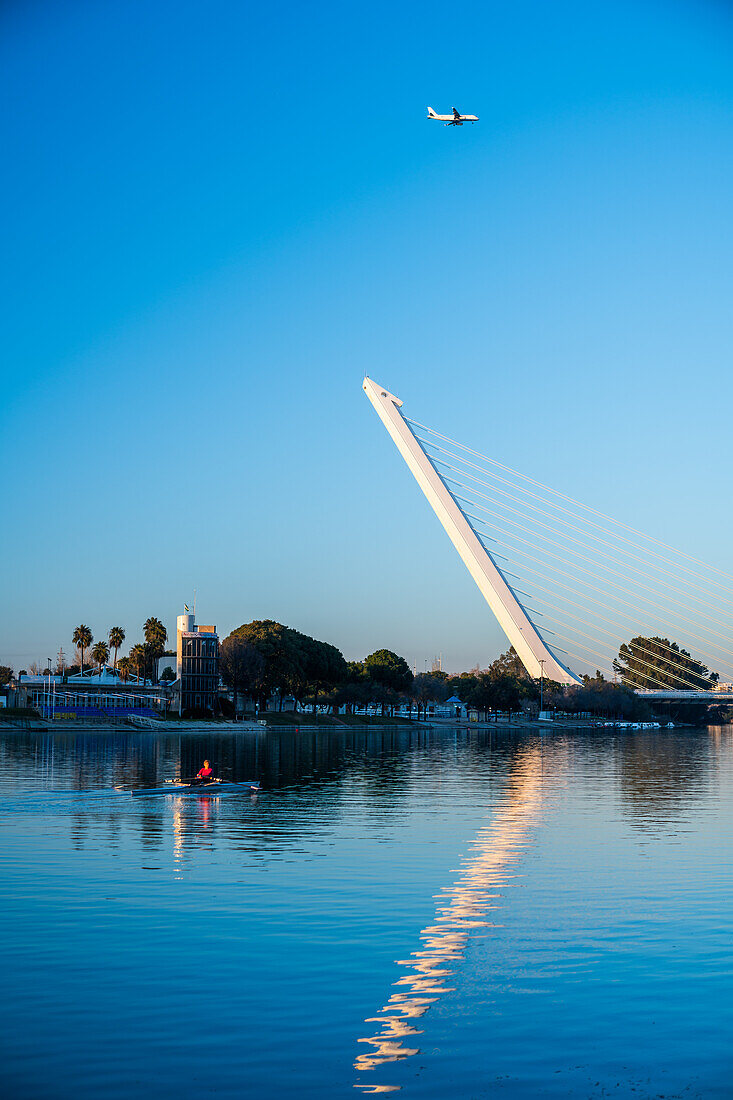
197, 663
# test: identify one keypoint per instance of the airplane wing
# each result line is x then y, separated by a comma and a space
456, 114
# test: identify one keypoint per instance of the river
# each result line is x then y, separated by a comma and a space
445, 913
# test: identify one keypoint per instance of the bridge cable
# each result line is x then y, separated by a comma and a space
628, 592
556, 492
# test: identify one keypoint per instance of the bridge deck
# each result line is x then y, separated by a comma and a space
685, 696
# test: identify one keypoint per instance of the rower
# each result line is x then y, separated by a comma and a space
205, 774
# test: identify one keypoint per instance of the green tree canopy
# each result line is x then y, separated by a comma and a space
116, 638
428, 687
82, 639
242, 667
507, 693
100, 655
600, 697
6, 675
509, 664
388, 669
321, 667
657, 663
282, 660
462, 685
138, 659
492, 690
438, 674
280, 652
156, 636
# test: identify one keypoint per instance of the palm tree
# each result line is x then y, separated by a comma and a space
156, 636
124, 669
116, 638
100, 653
82, 639
137, 659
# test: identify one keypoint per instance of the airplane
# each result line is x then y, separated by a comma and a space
456, 119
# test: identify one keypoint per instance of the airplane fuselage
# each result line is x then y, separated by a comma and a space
457, 121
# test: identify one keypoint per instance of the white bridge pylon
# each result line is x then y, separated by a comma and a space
533, 651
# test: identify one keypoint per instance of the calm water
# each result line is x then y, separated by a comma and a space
449, 914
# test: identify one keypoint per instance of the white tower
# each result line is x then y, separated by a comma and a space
185, 624
533, 652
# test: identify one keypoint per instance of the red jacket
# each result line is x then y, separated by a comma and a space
205, 773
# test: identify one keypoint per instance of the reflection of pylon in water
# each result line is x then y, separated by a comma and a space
466, 905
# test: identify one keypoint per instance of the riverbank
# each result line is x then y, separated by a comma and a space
173, 724
309, 723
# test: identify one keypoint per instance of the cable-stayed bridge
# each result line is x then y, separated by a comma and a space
569, 585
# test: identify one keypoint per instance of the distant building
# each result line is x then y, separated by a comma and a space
197, 663
98, 695
456, 704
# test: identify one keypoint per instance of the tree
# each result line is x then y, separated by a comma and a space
123, 669
82, 639
506, 693
291, 662
598, 696
483, 693
356, 689
100, 654
138, 660
6, 675
504, 685
427, 687
509, 664
156, 636
391, 675
389, 669
463, 686
116, 638
355, 672
658, 663
167, 676
282, 656
322, 668
242, 667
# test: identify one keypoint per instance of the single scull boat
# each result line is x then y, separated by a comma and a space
216, 786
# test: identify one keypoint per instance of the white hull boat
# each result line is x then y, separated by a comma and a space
217, 787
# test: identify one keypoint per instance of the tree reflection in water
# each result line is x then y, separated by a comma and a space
662, 778
462, 909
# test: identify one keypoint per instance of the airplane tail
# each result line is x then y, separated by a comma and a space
431, 113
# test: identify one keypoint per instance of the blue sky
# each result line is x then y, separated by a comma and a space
216, 218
